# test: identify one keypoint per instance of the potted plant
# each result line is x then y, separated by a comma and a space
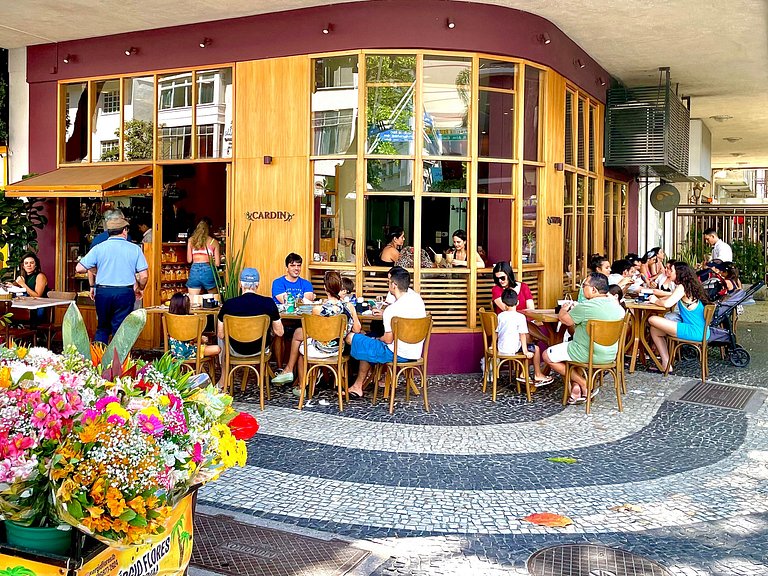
21, 219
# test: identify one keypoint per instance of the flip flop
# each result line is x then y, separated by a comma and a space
355, 396
579, 400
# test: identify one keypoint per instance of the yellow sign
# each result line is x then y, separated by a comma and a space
15, 566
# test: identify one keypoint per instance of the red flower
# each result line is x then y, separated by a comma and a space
243, 426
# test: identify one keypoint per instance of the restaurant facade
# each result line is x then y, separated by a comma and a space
319, 131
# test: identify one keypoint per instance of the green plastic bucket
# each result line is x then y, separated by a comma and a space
51, 540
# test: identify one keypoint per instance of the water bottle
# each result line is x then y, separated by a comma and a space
291, 304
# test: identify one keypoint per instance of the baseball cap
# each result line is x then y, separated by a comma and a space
249, 275
116, 223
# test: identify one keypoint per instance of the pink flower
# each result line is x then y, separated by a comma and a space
40, 414
101, 403
115, 419
197, 453
90, 415
151, 424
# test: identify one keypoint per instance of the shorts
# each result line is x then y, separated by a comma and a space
559, 353
316, 354
530, 348
372, 350
201, 277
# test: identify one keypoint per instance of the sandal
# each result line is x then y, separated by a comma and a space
579, 400
355, 396
546, 381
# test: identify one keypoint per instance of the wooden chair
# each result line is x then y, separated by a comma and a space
325, 329
247, 329
494, 360
675, 344
52, 325
410, 331
185, 328
17, 334
603, 333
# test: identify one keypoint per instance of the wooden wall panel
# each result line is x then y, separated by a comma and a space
552, 202
272, 119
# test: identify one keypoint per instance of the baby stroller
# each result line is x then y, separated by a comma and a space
721, 328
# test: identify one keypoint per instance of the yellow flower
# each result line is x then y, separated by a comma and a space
165, 401
151, 411
21, 352
5, 377
117, 410
66, 490
137, 505
95, 511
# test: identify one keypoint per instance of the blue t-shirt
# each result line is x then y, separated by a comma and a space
296, 289
117, 261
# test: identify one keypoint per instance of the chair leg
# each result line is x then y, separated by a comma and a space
566, 384
590, 379
617, 384
376, 371
485, 371
704, 366
496, 369
392, 389
245, 380
423, 374
407, 376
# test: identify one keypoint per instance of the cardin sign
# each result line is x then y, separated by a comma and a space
269, 215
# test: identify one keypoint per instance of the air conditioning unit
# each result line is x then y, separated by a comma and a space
648, 128
699, 151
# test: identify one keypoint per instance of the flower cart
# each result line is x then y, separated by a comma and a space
101, 456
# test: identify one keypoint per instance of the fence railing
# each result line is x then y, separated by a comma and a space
744, 227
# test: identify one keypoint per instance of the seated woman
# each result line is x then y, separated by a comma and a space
503, 278
598, 264
664, 282
690, 298
460, 257
391, 251
31, 278
180, 305
652, 265
331, 306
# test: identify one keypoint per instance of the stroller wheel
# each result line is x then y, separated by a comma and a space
739, 357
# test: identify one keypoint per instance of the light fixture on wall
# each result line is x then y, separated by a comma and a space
731, 139
328, 28
450, 24
205, 42
544, 38
69, 58
131, 51
721, 117
600, 81
579, 63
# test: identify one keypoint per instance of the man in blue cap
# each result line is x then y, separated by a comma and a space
248, 304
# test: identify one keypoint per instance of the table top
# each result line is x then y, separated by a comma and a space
542, 315
635, 305
37, 303
194, 310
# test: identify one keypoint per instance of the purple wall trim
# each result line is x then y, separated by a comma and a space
455, 353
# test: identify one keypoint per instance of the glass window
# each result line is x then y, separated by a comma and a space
390, 104
105, 124
213, 114
335, 202
580, 124
590, 223
445, 176
447, 93
440, 217
531, 136
75, 121
334, 106
608, 222
494, 229
592, 127
530, 213
495, 178
569, 128
138, 127
174, 116
382, 214
497, 74
389, 175
496, 124
568, 230
390, 68
110, 149
579, 228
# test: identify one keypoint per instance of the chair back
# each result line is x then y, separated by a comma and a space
184, 327
412, 331
709, 313
489, 322
246, 328
62, 295
324, 328
607, 333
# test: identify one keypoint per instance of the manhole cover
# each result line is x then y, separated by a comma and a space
589, 560
718, 395
227, 546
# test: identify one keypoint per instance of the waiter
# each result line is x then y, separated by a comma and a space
120, 277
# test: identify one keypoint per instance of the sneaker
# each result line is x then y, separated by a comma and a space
283, 377
296, 392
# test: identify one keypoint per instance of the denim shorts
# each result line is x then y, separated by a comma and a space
201, 276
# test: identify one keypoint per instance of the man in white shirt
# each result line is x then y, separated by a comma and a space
407, 304
720, 250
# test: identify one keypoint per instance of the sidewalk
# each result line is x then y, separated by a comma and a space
445, 492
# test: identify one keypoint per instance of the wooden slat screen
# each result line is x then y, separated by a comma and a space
485, 285
445, 296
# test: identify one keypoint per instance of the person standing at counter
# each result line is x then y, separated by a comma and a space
31, 278
121, 276
115, 214
202, 249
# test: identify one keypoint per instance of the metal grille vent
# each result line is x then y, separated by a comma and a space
648, 127
590, 560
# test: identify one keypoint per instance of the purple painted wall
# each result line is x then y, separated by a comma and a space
455, 353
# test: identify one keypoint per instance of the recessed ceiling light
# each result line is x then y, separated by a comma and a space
742, 163
732, 139
737, 154
721, 117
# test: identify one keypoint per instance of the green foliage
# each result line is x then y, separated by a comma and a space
3, 106
233, 265
138, 138
21, 219
74, 333
750, 259
125, 337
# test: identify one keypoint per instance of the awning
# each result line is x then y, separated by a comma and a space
78, 181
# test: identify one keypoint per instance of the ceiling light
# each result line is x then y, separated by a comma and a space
450, 23
742, 163
544, 38
69, 58
579, 63
721, 117
732, 139
600, 81
328, 28
131, 51
737, 154
205, 42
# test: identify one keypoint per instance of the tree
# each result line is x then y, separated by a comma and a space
138, 137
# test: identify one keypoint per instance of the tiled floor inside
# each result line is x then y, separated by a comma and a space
446, 492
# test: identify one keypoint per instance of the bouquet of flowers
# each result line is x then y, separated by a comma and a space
109, 449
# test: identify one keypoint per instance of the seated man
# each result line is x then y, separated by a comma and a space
292, 283
596, 306
621, 274
407, 304
248, 304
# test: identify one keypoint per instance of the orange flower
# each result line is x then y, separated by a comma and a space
63, 472
137, 505
97, 491
66, 490
5, 377
119, 525
90, 433
115, 502
95, 511
152, 502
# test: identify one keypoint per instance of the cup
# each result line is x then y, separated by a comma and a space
449, 258
438, 259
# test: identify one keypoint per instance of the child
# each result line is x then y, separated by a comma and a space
180, 306
513, 336
347, 293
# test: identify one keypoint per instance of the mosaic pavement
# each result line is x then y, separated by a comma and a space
445, 492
